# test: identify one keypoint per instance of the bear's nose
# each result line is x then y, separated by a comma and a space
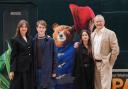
61, 35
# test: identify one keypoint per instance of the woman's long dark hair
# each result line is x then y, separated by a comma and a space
89, 41
21, 22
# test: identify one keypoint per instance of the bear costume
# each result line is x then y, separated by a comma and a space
65, 53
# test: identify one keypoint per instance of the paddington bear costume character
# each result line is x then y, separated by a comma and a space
65, 53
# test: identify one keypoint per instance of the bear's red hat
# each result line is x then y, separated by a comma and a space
81, 16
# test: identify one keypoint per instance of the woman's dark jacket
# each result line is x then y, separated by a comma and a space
21, 55
83, 69
21, 63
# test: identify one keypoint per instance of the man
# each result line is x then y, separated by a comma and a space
105, 51
44, 56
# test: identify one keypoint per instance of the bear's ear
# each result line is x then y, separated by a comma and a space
54, 25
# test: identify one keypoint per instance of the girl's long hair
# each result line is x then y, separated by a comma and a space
21, 22
89, 41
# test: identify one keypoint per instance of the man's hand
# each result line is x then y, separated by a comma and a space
53, 75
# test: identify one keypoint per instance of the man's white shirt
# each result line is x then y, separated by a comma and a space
97, 43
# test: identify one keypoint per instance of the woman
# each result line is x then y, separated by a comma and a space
21, 58
84, 64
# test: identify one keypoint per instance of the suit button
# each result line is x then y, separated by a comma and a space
29, 54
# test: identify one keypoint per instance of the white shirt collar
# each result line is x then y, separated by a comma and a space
100, 31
